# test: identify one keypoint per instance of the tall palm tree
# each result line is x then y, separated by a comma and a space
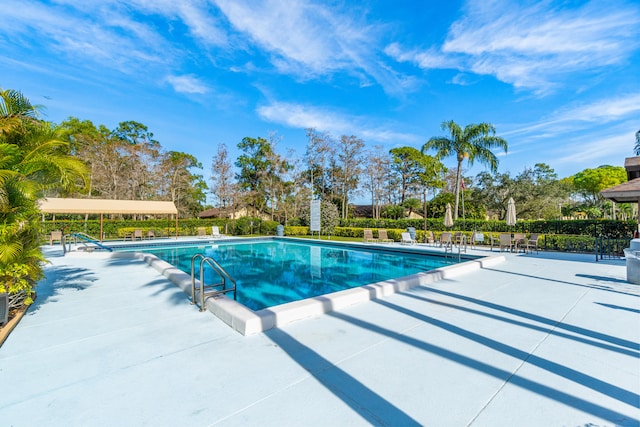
636, 149
474, 142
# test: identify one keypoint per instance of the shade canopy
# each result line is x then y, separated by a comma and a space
55, 205
448, 219
511, 212
627, 192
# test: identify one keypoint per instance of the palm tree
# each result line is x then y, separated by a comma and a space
15, 111
474, 142
636, 149
33, 160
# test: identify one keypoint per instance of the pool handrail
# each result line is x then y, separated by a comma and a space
218, 269
85, 238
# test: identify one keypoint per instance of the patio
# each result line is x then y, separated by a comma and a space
540, 339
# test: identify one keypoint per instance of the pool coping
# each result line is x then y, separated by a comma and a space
249, 322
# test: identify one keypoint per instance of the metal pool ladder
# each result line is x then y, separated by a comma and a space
214, 289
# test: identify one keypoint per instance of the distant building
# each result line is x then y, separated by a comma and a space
230, 213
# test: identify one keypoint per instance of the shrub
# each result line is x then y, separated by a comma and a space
296, 230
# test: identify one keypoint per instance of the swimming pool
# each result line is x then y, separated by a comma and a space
272, 272
247, 321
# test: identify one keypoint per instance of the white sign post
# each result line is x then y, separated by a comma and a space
315, 217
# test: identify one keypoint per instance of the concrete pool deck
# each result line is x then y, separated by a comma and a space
539, 339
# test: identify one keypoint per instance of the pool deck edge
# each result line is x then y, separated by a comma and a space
249, 322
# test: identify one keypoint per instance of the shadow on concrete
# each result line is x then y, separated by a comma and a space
603, 278
536, 318
503, 375
570, 374
582, 285
368, 404
618, 307
549, 330
59, 278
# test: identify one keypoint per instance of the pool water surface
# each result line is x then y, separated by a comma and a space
273, 272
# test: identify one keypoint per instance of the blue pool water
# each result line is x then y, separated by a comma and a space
272, 272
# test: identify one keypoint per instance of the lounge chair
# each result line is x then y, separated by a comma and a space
368, 236
137, 234
383, 237
406, 239
532, 242
202, 233
506, 242
215, 231
151, 235
55, 235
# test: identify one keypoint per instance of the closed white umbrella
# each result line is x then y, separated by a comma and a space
511, 212
448, 218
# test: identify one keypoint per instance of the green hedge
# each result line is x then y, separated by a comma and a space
617, 229
296, 230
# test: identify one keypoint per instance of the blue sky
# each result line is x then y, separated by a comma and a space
559, 80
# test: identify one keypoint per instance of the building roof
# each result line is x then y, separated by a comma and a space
106, 206
632, 165
627, 192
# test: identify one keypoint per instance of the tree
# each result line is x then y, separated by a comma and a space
407, 163
536, 191
253, 165
350, 160
186, 190
376, 170
590, 182
223, 188
319, 154
474, 142
273, 176
141, 155
16, 112
33, 159
636, 149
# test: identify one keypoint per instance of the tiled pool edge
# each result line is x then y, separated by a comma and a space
249, 322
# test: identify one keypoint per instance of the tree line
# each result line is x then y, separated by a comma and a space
128, 163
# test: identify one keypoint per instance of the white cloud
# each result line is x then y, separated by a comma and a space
596, 149
105, 37
431, 58
310, 40
533, 46
574, 118
530, 46
324, 120
187, 84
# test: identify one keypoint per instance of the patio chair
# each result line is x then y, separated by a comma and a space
151, 235
55, 235
532, 243
202, 233
446, 241
506, 242
407, 240
383, 237
476, 239
137, 234
520, 242
368, 236
429, 238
